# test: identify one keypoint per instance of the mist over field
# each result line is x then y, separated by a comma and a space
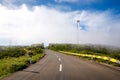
23, 24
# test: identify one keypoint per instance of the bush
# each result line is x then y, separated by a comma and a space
12, 52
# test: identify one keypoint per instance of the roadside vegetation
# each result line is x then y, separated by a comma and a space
111, 52
16, 58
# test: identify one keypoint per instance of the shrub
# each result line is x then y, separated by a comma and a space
12, 52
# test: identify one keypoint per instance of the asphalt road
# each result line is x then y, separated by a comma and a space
57, 66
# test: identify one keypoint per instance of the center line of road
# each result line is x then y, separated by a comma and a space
59, 59
60, 69
56, 55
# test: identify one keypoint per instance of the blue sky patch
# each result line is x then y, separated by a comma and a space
73, 4
83, 27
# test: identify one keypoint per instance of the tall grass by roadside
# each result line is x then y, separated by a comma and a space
11, 65
13, 59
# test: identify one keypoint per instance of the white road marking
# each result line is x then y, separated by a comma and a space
56, 55
60, 69
59, 59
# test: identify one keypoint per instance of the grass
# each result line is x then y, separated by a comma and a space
12, 64
88, 49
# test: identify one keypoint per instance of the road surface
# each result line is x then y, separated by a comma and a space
57, 66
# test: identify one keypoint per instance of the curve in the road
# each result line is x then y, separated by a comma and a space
57, 66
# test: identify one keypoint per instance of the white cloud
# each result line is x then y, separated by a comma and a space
44, 24
14, 3
66, 0
60, 7
77, 1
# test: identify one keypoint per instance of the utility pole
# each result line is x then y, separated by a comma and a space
78, 22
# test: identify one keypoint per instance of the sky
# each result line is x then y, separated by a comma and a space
26, 22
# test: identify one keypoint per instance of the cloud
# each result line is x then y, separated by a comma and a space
45, 24
66, 0
40, 25
60, 7
77, 1
14, 3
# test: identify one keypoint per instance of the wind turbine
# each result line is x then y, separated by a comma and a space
78, 23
